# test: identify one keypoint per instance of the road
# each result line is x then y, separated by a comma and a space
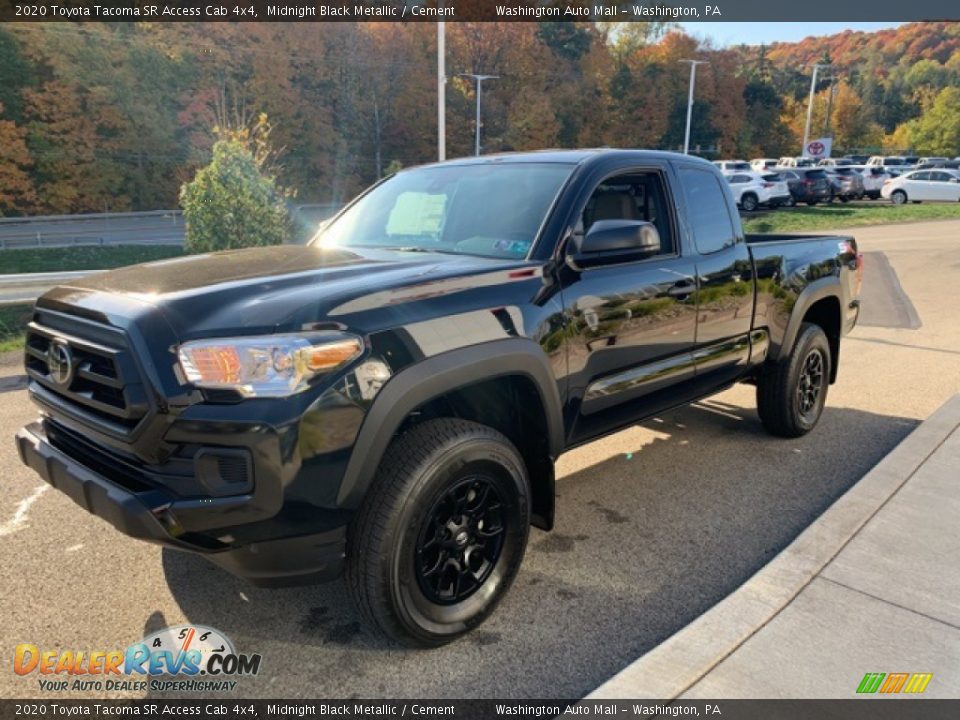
655, 525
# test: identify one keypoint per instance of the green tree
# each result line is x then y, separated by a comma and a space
937, 131
232, 203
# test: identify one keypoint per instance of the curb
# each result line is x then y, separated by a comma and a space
682, 660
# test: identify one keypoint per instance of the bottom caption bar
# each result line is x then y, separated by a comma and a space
865, 709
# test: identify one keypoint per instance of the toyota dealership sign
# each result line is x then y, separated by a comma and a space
819, 148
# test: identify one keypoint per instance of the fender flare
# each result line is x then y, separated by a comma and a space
436, 376
814, 292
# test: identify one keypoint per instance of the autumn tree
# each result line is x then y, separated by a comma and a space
16, 186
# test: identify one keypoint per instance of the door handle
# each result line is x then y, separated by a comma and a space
682, 289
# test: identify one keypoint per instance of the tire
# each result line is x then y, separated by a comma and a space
792, 202
844, 198
749, 202
898, 197
415, 532
811, 203
788, 405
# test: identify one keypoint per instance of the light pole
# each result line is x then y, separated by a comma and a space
441, 91
813, 90
693, 80
479, 79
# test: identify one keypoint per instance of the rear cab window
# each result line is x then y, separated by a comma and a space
708, 213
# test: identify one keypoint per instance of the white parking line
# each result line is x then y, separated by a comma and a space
19, 521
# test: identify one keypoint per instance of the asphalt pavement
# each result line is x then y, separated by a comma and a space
656, 524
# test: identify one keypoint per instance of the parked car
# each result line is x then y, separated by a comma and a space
847, 183
923, 186
807, 185
390, 399
873, 179
932, 161
731, 165
859, 159
752, 189
796, 162
836, 162
888, 161
761, 164
934, 164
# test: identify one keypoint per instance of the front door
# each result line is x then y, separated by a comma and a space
630, 325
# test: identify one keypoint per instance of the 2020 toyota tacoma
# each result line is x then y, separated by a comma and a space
390, 399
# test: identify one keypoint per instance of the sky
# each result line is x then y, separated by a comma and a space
729, 33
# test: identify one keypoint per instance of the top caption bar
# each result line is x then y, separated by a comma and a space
481, 10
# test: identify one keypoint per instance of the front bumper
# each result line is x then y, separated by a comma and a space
150, 514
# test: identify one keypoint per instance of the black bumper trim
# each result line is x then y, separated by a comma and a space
94, 493
286, 561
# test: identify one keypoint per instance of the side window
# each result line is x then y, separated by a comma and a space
940, 176
633, 196
920, 176
707, 211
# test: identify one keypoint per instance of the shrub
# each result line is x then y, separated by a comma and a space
233, 203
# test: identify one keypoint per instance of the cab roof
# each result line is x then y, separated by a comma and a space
567, 157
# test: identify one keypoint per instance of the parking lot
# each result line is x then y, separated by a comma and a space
655, 525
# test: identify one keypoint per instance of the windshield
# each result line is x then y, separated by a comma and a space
490, 209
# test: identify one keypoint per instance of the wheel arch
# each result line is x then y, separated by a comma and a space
819, 304
506, 384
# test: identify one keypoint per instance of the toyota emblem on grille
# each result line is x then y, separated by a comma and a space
60, 363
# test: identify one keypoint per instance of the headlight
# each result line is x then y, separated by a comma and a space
269, 366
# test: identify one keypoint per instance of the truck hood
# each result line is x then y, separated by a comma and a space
276, 288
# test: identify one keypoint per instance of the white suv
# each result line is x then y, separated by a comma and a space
874, 177
752, 189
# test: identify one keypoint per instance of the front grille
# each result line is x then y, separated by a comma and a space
85, 369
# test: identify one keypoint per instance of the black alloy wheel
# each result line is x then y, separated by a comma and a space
460, 541
810, 384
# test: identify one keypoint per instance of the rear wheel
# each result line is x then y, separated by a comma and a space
749, 202
811, 203
792, 392
898, 197
441, 533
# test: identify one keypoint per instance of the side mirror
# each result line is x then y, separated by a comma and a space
612, 241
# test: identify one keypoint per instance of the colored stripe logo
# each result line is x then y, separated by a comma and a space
891, 683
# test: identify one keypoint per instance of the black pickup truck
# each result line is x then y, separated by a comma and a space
390, 399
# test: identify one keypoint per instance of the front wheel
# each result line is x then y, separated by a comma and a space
792, 392
441, 533
749, 202
898, 197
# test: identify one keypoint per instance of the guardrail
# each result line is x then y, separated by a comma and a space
151, 227
156, 227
